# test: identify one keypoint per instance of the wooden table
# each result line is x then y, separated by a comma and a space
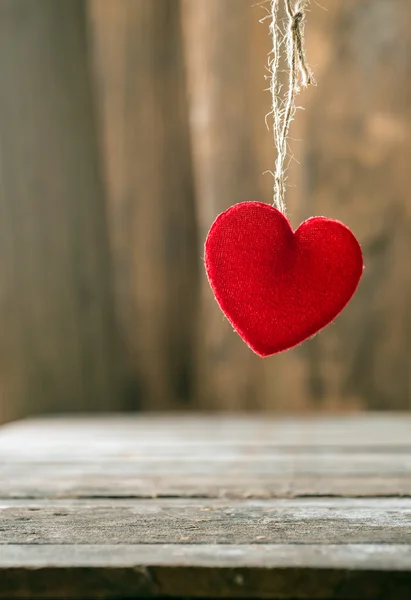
212, 507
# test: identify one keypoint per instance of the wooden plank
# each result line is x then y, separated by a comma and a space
188, 521
384, 557
75, 522
281, 571
191, 486
249, 477
187, 453
108, 435
139, 75
229, 457
223, 464
363, 427
58, 347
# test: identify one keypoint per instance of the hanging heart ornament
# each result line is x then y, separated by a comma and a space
278, 287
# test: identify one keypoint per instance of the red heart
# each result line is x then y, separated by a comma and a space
276, 286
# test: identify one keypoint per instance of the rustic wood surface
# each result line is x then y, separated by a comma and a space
212, 507
211, 521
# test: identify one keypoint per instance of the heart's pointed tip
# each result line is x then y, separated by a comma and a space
261, 353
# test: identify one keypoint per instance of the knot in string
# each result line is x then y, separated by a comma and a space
296, 21
297, 18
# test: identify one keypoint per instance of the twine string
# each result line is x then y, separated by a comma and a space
291, 41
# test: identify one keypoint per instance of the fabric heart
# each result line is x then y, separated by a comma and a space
276, 286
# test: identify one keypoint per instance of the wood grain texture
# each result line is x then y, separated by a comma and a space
207, 507
139, 76
381, 557
208, 457
57, 346
214, 521
110, 435
91, 482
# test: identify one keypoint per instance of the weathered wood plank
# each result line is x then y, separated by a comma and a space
139, 74
227, 463
97, 536
248, 477
219, 56
383, 557
189, 452
178, 521
280, 571
206, 457
101, 486
58, 342
110, 435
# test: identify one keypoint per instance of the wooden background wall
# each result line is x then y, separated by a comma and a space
125, 127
